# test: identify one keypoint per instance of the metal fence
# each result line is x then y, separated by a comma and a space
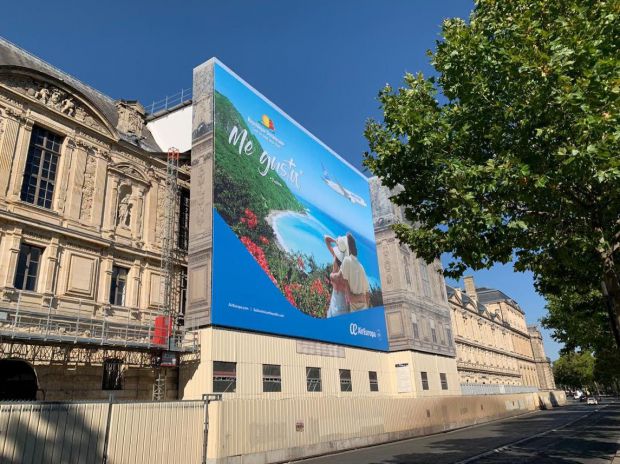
494, 389
104, 432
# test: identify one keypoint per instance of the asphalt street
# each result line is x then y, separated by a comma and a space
577, 433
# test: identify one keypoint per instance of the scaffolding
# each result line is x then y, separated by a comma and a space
169, 258
25, 322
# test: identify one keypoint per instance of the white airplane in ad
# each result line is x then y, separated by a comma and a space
338, 188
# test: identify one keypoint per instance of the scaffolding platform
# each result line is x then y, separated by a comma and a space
27, 325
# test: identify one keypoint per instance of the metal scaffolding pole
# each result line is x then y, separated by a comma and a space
169, 284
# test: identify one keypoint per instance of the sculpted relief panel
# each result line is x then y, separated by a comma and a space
88, 187
52, 97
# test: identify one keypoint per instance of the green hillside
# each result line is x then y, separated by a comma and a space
237, 182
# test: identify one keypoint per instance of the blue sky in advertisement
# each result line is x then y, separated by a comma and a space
311, 158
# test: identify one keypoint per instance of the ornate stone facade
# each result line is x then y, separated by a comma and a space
493, 343
543, 364
107, 181
416, 305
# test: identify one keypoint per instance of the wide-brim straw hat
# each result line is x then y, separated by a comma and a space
341, 250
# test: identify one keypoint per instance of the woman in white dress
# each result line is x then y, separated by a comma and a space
338, 304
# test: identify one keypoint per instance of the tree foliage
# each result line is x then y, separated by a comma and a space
518, 158
574, 370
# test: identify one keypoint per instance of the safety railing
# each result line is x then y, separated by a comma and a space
24, 320
169, 101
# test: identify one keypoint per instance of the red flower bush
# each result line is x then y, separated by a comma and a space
264, 240
249, 219
317, 287
259, 255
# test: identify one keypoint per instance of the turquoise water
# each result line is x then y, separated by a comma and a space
304, 233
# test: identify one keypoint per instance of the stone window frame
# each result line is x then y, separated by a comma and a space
53, 155
415, 327
112, 378
426, 283
25, 250
115, 278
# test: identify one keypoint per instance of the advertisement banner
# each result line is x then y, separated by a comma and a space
293, 241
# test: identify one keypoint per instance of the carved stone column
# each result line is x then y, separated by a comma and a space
133, 293
105, 279
62, 186
8, 145
49, 272
19, 160
97, 217
138, 223
109, 221
76, 182
10, 254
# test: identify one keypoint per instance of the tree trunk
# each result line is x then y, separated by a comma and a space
611, 292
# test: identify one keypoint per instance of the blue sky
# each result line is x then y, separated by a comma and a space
322, 62
308, 155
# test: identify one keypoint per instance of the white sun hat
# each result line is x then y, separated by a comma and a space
341, 250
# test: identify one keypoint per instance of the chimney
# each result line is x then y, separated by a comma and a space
470, 288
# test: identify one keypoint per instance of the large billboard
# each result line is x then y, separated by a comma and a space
293, 241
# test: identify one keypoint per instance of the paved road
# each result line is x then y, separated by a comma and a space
575, 434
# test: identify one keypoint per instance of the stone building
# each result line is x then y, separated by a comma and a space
83, 190
543, 363
82, 182
494, 345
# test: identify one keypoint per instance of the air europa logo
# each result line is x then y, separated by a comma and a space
355, 330
268, 122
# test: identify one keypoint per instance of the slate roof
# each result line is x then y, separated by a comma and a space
13, 56
465, 298
492, 295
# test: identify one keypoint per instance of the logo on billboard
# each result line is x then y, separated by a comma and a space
268, 122
355, 330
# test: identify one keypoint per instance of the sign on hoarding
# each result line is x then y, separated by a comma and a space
293, 240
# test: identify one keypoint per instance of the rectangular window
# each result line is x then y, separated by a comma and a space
426, 284
374, 382
449, 336
27, 267
424, 377
416, 330
407, 273
112, 374
345, 380
118, 285
444, 381
313, 379
272, 379
224, 377
433, 332
183, 219
41, 165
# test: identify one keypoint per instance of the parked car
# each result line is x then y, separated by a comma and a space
592, 400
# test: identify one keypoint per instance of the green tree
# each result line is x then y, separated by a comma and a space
511, 151
574, 370
578, 320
